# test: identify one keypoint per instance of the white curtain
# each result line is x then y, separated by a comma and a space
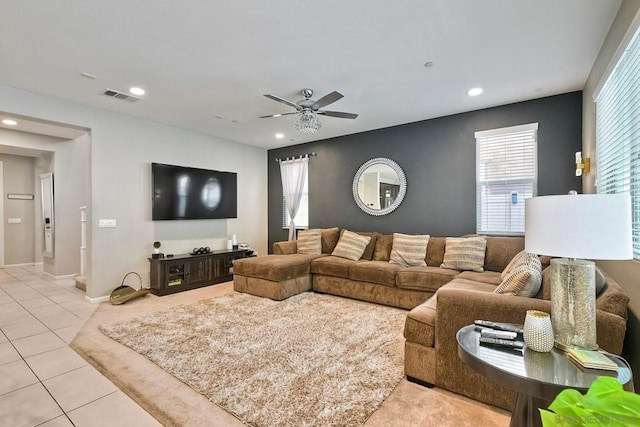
294, 174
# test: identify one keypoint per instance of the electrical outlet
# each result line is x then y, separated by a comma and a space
106, 223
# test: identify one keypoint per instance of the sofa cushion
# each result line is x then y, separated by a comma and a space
285, 248
367, 255
309, 242
465, 253
435, 251
490, 277
351, 245
613, 299
332, 266
409, 250
380, 272
275, 267
330, 237
419, 326
382, 252
470, 285
428, 279
500, 250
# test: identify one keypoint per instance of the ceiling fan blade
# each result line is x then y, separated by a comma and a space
339, 114
276, 115
328, 99
284, 101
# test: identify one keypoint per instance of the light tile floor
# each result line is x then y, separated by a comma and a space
43, 382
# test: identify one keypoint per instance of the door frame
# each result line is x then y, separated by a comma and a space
1, 214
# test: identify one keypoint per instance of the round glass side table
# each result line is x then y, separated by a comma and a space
537, 377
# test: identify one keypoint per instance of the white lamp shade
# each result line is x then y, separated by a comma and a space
587, 226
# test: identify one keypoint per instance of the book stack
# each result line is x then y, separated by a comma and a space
505, 335
592, 360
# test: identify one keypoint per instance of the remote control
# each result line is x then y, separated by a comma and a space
492, 333
501, 326
504, 343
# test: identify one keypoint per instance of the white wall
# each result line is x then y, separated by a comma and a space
122, 149
71, 180
626, 272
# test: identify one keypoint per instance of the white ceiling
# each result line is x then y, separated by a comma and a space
202, 58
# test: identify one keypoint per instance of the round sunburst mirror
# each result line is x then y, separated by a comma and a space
379, 186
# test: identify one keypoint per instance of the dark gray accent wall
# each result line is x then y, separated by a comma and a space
438, 158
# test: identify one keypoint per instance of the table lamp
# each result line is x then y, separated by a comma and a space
575, 227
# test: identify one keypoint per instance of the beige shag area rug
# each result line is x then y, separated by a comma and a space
310, 360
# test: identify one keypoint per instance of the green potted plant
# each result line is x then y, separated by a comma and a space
606, 403
156, 247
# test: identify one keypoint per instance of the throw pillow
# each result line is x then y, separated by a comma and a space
524, 279
520, 257
309, 242
409, 250
351, 245
368, 251
465, 253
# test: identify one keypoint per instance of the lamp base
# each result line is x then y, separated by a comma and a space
573, 303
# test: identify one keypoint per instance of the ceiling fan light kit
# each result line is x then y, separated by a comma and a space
308, 122
308, 110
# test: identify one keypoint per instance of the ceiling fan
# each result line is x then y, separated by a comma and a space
308, 109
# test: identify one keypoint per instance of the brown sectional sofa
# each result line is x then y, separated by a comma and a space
441, 301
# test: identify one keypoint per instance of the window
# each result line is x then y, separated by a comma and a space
618, 133
302, 217
506, 174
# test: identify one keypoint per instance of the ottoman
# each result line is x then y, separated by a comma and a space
274, 276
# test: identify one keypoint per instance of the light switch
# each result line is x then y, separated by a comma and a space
106, 223
14, 220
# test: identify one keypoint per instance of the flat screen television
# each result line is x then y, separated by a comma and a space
189, 193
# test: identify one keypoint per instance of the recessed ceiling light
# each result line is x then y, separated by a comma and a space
428, 64
218, 116
475, 91
137, 91
234, 121
9, 122
88, 76
279, 135
277, 115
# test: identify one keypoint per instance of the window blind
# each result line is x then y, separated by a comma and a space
506, 175
302, 216
618, 133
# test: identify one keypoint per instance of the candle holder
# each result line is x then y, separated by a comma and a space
538, 331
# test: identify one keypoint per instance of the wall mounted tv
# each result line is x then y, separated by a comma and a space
190, 193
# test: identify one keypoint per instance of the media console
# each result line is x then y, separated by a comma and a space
184, 272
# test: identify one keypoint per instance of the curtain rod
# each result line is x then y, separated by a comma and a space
300, 156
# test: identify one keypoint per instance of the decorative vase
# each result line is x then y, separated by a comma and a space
538, 331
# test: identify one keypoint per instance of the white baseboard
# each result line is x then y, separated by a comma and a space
24, 264
97, 300
62, 277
